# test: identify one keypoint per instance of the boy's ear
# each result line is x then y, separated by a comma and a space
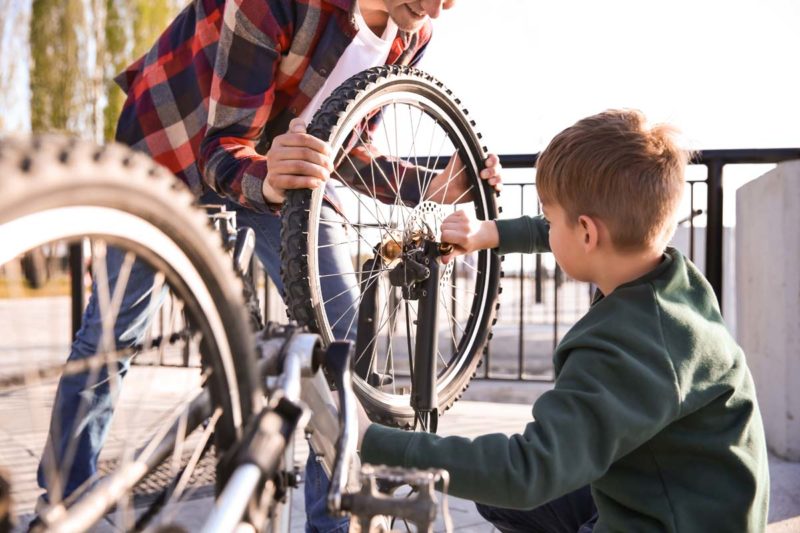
590, 232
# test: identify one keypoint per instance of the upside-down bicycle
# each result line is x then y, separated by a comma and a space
198, 398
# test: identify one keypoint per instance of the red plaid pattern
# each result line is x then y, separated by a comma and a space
227, 76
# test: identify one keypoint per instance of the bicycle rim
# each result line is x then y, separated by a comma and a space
421, 122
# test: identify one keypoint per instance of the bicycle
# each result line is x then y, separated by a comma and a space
57, 191
121, 206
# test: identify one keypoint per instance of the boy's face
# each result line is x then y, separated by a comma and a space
566, 239
410, 15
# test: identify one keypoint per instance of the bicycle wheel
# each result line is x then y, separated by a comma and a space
189, 385
416, 125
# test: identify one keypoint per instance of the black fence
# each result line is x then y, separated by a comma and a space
539, 302
556, 295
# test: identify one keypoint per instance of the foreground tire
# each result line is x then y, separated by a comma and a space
57, 192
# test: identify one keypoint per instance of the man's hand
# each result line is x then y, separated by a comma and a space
451, 186
296, 160
468, 234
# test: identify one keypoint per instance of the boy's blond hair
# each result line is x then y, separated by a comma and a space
614, 167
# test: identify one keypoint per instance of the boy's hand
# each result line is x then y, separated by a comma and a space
468, 234
296, 160
451, 186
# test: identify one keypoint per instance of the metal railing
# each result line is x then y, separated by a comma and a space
552, 309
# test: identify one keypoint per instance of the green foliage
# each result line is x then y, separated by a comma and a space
151, 18
55, 74
64, 97
119, 48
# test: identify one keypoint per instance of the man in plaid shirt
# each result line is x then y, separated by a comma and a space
221, 100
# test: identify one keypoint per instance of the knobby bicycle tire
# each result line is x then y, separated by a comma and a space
58, 189
428, 99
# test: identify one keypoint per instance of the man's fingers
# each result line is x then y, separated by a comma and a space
297, 125
300, 168
300, 153
302, 140
457, 251
490, 172
288, 181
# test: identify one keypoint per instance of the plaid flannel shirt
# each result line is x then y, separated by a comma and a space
227, 76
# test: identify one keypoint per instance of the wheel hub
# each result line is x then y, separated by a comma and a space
424, 224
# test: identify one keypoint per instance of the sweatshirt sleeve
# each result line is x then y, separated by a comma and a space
591, 418
528, 235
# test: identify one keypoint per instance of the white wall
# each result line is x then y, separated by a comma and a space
768, 299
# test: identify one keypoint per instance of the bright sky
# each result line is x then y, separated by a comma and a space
724, 71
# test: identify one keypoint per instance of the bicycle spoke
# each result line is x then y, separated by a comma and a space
27, 378
342, 222
350, 288
425, 193
446, 185
107, 321
369, 282
359, 272
414, 145
468, 265
462, 307
453, 319
354, 192
334, 244
170, 506
361, 237
457, 200
380, 327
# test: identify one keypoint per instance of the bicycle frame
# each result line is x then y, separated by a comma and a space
260, 453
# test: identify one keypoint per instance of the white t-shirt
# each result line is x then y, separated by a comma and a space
365, 51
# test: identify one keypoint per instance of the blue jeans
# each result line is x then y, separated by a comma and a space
84, 403
572, 513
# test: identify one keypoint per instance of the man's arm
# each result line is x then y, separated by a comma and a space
241, 100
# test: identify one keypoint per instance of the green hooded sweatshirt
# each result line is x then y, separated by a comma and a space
653, 406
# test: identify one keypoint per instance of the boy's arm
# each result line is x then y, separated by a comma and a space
467, 234
604, 405
528, 235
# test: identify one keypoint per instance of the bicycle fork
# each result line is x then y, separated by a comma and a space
424, 399
417, 274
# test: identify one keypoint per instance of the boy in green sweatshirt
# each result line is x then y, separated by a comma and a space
652, 423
